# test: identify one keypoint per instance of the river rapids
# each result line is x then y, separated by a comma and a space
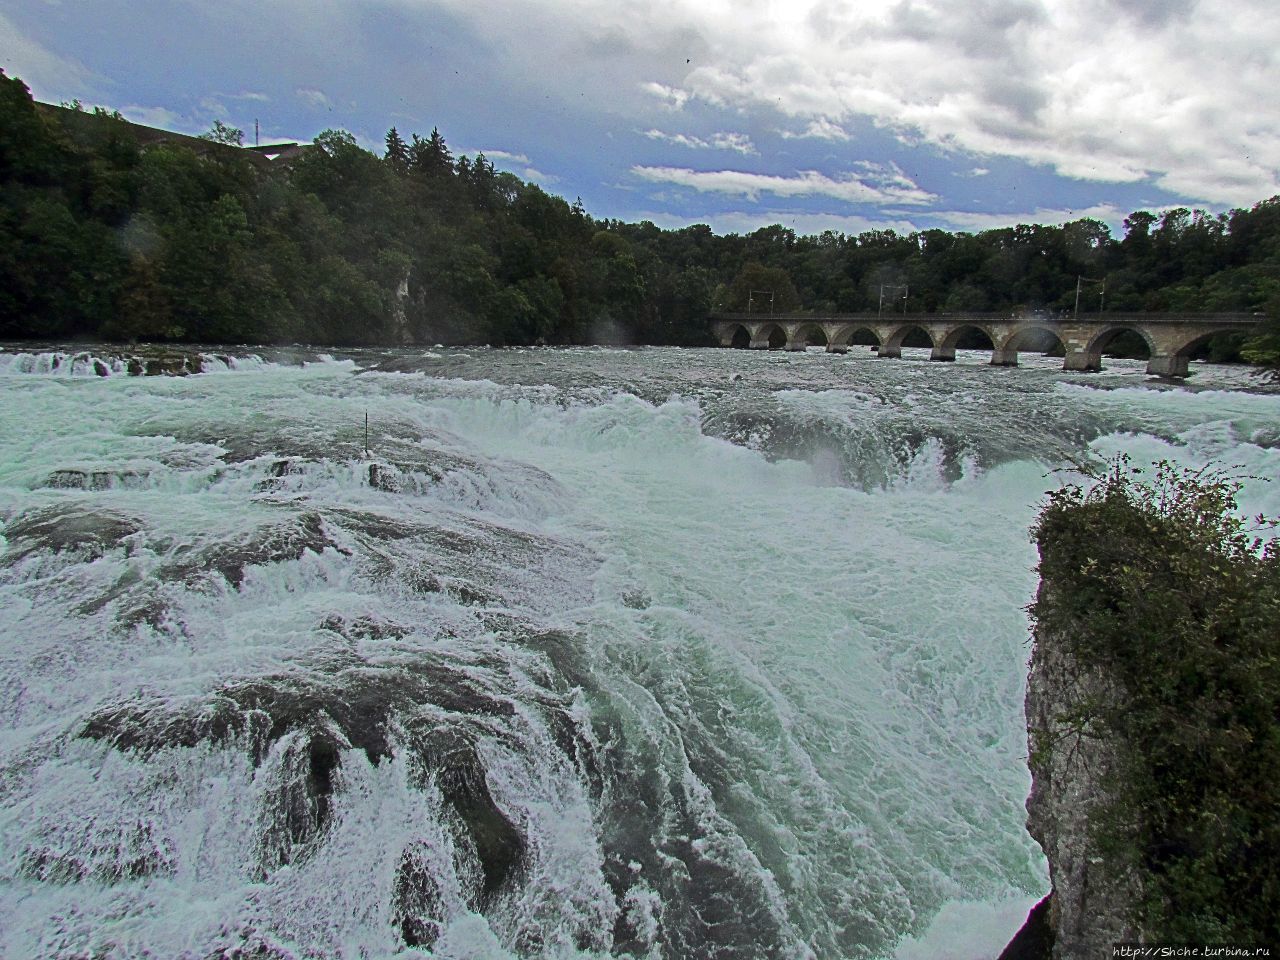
589, 653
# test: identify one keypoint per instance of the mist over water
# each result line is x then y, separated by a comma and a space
648, 653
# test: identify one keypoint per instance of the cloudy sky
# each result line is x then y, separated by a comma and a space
817, 114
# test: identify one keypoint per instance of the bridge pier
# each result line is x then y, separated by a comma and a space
1080, 361
1167, 366
759, 344
1004, 357
837, 348
889, 352
943, 354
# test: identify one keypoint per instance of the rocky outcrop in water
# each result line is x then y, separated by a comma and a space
1151, 709
1074, 765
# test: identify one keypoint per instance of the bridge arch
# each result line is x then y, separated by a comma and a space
892, 345
1033, 336
771, 335
807, 335
855, 334
967, 336
1188, 346
1103, 338
740, 337
1175, 350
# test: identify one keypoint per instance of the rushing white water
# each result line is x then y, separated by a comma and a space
651, 653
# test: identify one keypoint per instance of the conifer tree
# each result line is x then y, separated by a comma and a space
430, 157
397, 155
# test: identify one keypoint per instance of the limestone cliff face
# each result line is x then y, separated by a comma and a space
1072, 767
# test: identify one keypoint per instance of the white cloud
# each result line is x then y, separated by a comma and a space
534, 175
505, 156
804, 224
738, 142
161, 117
875, 185
820, 129
315, 98
974, 222
1174, 93
50, 77
521, 162
213, 107
670, 97
1181, 94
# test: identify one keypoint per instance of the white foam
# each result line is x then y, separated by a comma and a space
967, 930
811, 686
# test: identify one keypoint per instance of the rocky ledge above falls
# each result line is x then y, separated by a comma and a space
1153, 718
1074, 767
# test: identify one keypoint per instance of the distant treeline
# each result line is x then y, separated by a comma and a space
104, 236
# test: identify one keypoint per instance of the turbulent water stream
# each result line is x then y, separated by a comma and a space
653, 653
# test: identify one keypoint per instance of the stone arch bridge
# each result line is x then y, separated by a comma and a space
1171, 338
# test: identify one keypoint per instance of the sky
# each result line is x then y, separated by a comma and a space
842, 115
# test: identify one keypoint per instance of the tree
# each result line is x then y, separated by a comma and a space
763, 289
1264, 347
397, 155
430, 157
222, 133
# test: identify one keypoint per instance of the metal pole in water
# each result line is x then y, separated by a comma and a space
366, 434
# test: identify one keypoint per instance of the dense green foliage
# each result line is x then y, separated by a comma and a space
1161, 585
104, 234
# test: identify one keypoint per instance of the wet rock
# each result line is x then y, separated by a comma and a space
251, 946
298, 730
1074, 778
129, 855
363, 628
357, 702
171, 365
66, 528
147, 727
402, 477
637, 599
79, 479
467, 558
279, 475
1034, 941
450, 759
417, 907
296, 813
286, 468
287, 540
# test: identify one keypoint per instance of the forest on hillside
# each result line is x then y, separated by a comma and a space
103, 236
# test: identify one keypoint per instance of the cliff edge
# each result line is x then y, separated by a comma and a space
1153, 715
1075, 770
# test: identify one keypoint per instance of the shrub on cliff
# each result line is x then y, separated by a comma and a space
1160, 583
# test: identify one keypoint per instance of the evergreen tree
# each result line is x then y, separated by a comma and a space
430, 158
397, 155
